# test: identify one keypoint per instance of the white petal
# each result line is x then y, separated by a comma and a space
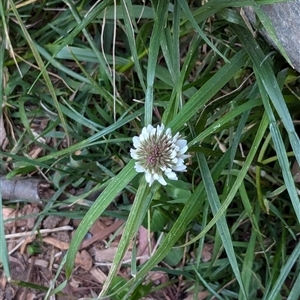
175, 160
153, 132
149, 178
179, 161
173, 154
133, 154
145, 134
168, 132
181, 143
139, 168
181, 168
160, 129
161, 180
183, 150
171, 175
163, 168
149, 127
136, 141
175, 137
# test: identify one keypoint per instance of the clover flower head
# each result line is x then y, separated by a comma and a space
158, 153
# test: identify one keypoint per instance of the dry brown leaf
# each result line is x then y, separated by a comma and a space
39, 262
75, 283
9, 213
52, 221
96, 227
207, 252
143, 246
107, 255
3, 138
98, 274
102, 234
3, 281
84, 260
34, 210
157, 277
56, 243
30, 296
34, 152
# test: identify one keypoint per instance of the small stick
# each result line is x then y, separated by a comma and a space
42, 231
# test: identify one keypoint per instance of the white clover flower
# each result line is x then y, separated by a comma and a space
158, 153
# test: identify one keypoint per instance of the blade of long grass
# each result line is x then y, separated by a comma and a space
281, 153
127, 9
175, 41
190, 17
224, 120
94, 11
137, 213
248, 261
41, 66
189, 211
263, 126
3, 246
295, 291
91, 41
159, 23
265, 73
170, 47
4, 260
208, 90
284, 272
84, 143
117, 184
222, 226
83, 54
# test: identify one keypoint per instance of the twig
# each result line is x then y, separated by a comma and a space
42, 231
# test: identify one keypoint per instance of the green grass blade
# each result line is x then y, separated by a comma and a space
222, 226
248, 261
208, 90
189, 211
128, 13
190, 17
295, 291
91, 41
3, 247
281, 153
264, 71
260, 133
41, 66
159, 23
137, 213
284, 272
87, 142
117, 184
225, 119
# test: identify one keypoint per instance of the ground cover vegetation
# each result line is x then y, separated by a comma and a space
79, 80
